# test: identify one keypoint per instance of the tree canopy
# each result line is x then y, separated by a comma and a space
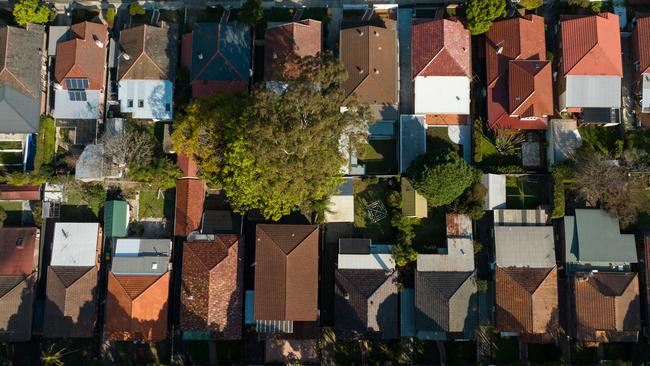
252, 12
440, 178
276, 151
31, 11
481, 13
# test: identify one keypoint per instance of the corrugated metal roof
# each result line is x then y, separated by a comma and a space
156, 96
75, 244
524, 246
593, 91
116, 218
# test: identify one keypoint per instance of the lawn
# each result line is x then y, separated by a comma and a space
526, 193
505, 350
11, 145
601, 139
156, 204
380, 156
540, 353
14, 212
366, 192
11, 158
438, 140
431, 232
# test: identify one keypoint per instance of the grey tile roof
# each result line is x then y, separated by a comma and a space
150, 258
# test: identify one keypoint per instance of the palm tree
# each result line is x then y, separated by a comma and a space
50, 357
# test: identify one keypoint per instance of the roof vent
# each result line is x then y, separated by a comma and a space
376, 34
58, 86
65, 233
274, 56
126, 56
500, 50
154, 265
292, 235
200, 56
347, 296
190, 297
19, 243
376, 72
360, 32
360, 71
99, 43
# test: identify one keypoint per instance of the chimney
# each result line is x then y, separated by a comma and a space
200, 56
99, 44
499, 50
58, 86
376, 72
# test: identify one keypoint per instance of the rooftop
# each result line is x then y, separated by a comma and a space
75, 244
141, 256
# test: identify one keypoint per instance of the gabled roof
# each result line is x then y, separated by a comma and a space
641, 44
20, 193
606, 302
212, 286
17, 246
81, 57
152, 53
287, 42
369, 53
519, 78
20, 78
16, 307
591, 45
75, 244
286, 272
366, 302
526, 300
190, 195
440, 47
136, 307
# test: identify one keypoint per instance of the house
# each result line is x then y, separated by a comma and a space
80, 72
286, 277
71, 290
519, 89
413, 203
341, 205
526, 282
443, 305
641, 59
138, 290
19, 258
495, 197
442, 69
218, 57
190, 195
645, 277
20, 89
606, 306
591, 67
212, 290
146, 71
285, 43
563, 139
369, 54
116, 218
593, 242
365, 290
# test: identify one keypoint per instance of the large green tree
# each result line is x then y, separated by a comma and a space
440, 178
252, 12
276, 151
31, 11
481, 13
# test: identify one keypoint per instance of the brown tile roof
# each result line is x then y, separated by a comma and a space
212, 287
16, 303
81, 57
440, 47
286, 272
17, 260
519, 78
641, 42
190, 195
287, 42
136, 308
591, 45
71, 304
152, 51
527, 300
606, 302
369, 53
187, 165
20, 193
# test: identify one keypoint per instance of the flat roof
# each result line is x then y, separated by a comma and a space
75, 244
524, 246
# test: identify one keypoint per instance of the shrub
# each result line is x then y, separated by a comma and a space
478, 247
3, 216
563, 173
163, 172
110, 15
472, 202
531, 4
481, 13
482, 286
252, 12
45, 143
136, 9
440, 178
31, 11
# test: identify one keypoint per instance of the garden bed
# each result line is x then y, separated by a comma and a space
373, 191
11, 145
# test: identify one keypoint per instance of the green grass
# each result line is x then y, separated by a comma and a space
431, 232
151, 205
365, 193
438, 140
601, 139
522, 193
505, 350
380, 156
45, 143
11, 158
11, 145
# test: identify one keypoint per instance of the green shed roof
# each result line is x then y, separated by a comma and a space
116, 218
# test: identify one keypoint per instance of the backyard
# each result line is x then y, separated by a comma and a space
438, 140
601, 139
371, 211
380, 156
156, 204
431, 231
14, 211
526, 192
505, 350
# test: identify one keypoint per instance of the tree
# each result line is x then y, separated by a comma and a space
276, 151
252, 12
31, 11
45, 143
136, 9
531, 4
51, 357
3, 216
481, 13
128, 148
471, 202
440, 178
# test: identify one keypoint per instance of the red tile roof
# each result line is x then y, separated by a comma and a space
17, 260
136, 308
288, 42
520, 92
187, 165
440, 47
190, 195
591, 45
446, 119
20, 193
81, 57
641, 42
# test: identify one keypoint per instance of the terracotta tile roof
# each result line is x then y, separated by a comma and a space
17, 260
591, 45
287, 42
71, 303
212, 287
136, 308
606, 301
16, 306
81, 57
519, 78
187, 164
440, 47
526, 300
20, 193
152, 53
641, 42
286, 272
369, 53
190, 195
446, 119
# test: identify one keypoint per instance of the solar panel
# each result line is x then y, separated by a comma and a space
76, 83
77, 95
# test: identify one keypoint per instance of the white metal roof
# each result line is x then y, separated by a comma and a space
459, 257
602, 91
380, 257
75, 244
442, 95
524, 246
645, 97
155, 95
496, 191
65, 108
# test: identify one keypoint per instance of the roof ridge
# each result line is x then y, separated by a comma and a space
191, 251
305, 238
117, 277
357, 287
24, 278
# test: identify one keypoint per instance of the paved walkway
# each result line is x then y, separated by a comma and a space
333, 28
404, 16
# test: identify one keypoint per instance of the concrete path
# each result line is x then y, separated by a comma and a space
333, 28
627, 99
404, 17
